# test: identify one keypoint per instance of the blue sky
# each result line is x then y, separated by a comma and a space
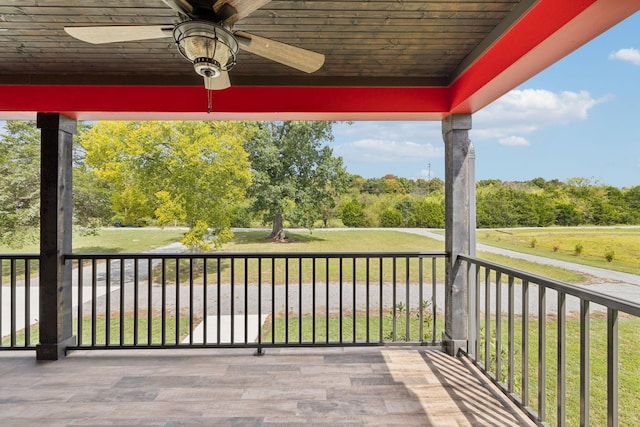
578, 118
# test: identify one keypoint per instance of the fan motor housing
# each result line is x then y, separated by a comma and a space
209, 46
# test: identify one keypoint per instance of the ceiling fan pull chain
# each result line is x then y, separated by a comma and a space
209, 101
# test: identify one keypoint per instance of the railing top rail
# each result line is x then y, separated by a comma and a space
628, 307
255, 255
20, 256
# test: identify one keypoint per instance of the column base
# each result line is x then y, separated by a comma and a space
54, 351
451, 346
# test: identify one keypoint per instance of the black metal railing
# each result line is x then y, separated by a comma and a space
18, 301
541, 340
257, 300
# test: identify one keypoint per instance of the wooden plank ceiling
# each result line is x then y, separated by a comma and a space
366, 43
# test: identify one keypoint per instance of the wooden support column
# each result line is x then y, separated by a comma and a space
55, 235
458, 219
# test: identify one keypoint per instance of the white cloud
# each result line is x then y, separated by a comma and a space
378, 150
630, 55
514, 141
525, 111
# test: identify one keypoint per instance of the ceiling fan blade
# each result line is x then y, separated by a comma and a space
119, 33
180, 6
243, 8
291, 56
217, 83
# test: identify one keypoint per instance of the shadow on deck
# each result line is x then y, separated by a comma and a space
334, 386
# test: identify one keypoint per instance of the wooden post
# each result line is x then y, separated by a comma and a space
55, 235
458, 213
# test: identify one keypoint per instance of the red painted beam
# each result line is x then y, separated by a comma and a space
145, 102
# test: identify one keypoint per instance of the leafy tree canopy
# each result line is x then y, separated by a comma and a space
295, 175
193, 172
20, 183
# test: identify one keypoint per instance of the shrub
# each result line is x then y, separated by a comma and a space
578, 249
609, 254
391, 218
533, 242
352, 214
556, 248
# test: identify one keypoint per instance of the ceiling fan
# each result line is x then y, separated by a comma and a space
204, 36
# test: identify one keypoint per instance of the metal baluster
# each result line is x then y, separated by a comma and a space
108, 310
542, 354
122, 267
232, 302
433, 300
300, 300
354, 301
367, 314
562, 359
27, 319
381, 305
394, 282
341, 320
313, 299
421, 306
163, 323
177, 312
13, 309
487, 319
205, 301
498, 326
94, 301
246, 300
149, 301
585, 363
407, 320
191, 325
525, 343
259, 351
511, 334
27, 303
218, 303
612, 367
136, 284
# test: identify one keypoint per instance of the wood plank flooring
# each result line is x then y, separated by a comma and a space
406, 386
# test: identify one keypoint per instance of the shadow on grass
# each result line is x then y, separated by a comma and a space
258, 237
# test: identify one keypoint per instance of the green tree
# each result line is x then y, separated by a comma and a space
352, 214
295, 175
192, 172
19, 183
428, 213
391, 217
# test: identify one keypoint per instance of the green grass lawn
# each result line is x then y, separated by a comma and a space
112, 240
629, 360
561, 243
114, 331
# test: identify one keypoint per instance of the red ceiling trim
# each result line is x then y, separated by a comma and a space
355, 103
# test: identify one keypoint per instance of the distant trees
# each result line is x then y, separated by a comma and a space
401, 202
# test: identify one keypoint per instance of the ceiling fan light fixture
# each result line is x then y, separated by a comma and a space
210, 47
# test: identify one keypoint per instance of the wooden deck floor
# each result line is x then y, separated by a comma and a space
406, 386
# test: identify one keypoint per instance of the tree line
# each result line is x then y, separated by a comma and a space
392, 201
212, 176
